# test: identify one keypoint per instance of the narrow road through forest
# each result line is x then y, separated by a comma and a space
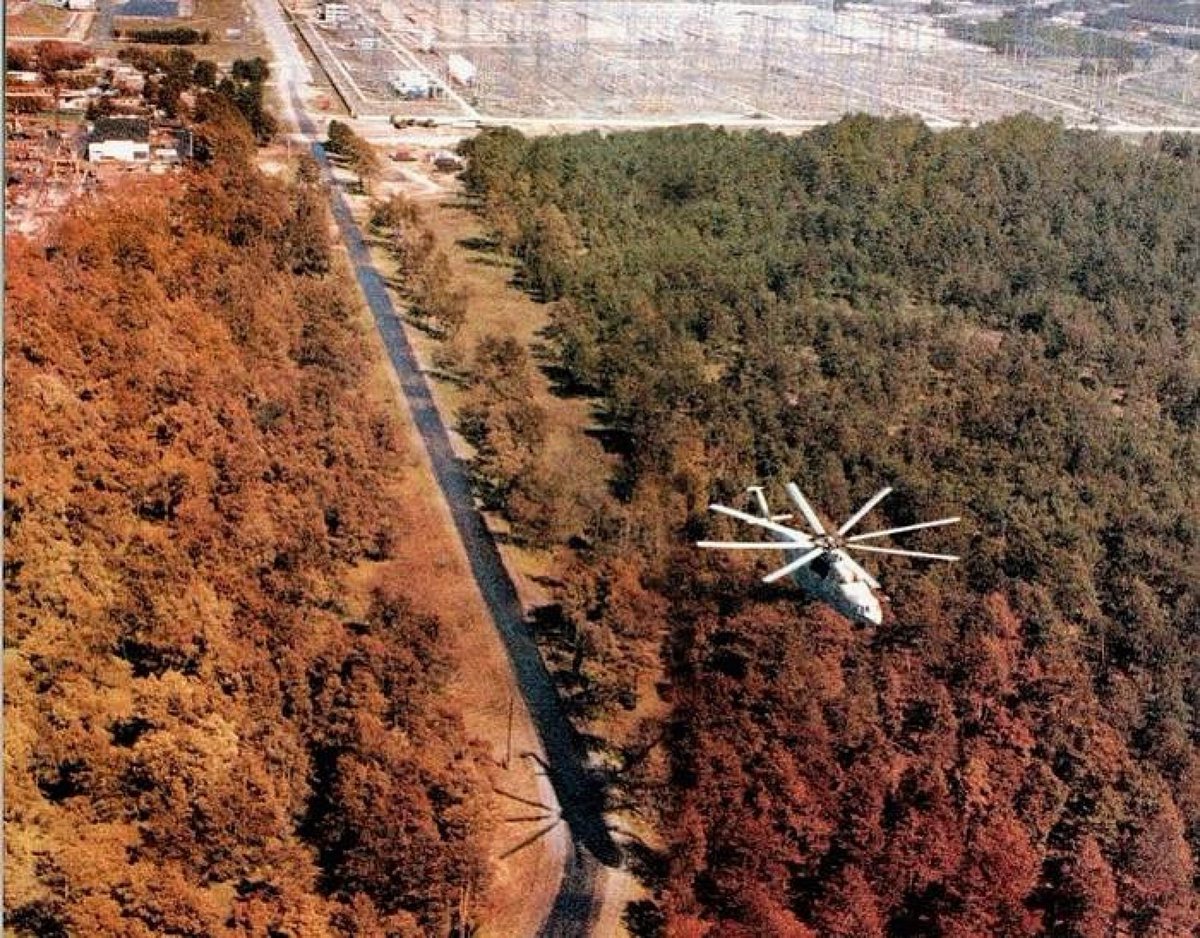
579, 792
580, 796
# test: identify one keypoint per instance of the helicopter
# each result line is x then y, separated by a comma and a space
818, 562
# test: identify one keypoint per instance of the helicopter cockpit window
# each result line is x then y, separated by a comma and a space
820, 566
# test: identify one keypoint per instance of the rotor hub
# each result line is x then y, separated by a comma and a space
821, 541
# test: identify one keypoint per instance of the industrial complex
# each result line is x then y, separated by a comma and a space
785, 62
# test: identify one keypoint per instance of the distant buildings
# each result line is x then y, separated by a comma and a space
461, 70
151, 9
413, 84
127, 79
333, 13
122, 139
133, 140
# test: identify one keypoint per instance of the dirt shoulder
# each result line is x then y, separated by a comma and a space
498, 307
484, 692
525, 869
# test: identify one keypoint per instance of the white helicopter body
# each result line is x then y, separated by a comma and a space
818, 562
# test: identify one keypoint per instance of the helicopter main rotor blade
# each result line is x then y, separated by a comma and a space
761, 499
861, 513
751, 545
790, 533
810, 516
907, 527
902, 553
794, 565
859, 569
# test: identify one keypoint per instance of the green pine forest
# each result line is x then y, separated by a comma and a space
1000, 322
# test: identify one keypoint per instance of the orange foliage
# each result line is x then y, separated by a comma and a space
207, 733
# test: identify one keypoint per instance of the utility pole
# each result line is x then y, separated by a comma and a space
508, 745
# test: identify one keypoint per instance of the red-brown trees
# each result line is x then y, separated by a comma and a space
208, 730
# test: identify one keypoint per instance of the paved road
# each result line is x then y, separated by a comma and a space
579, 792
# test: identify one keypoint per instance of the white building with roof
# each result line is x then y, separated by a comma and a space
119, 139
333, 13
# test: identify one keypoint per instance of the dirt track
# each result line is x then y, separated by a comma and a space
579, 795
580, 798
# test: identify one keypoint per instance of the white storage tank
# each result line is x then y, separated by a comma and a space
412, 84
461, 70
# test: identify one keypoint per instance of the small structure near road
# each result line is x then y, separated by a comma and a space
123, 139
333, 14
445, 161
413, 85
461, 70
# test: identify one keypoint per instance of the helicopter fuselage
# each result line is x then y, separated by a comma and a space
832, 581
817, 560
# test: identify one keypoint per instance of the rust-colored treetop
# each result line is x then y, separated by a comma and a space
211, 728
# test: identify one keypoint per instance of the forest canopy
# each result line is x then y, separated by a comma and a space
1000, 322
222, 715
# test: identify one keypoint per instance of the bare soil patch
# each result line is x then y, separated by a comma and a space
33, 19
